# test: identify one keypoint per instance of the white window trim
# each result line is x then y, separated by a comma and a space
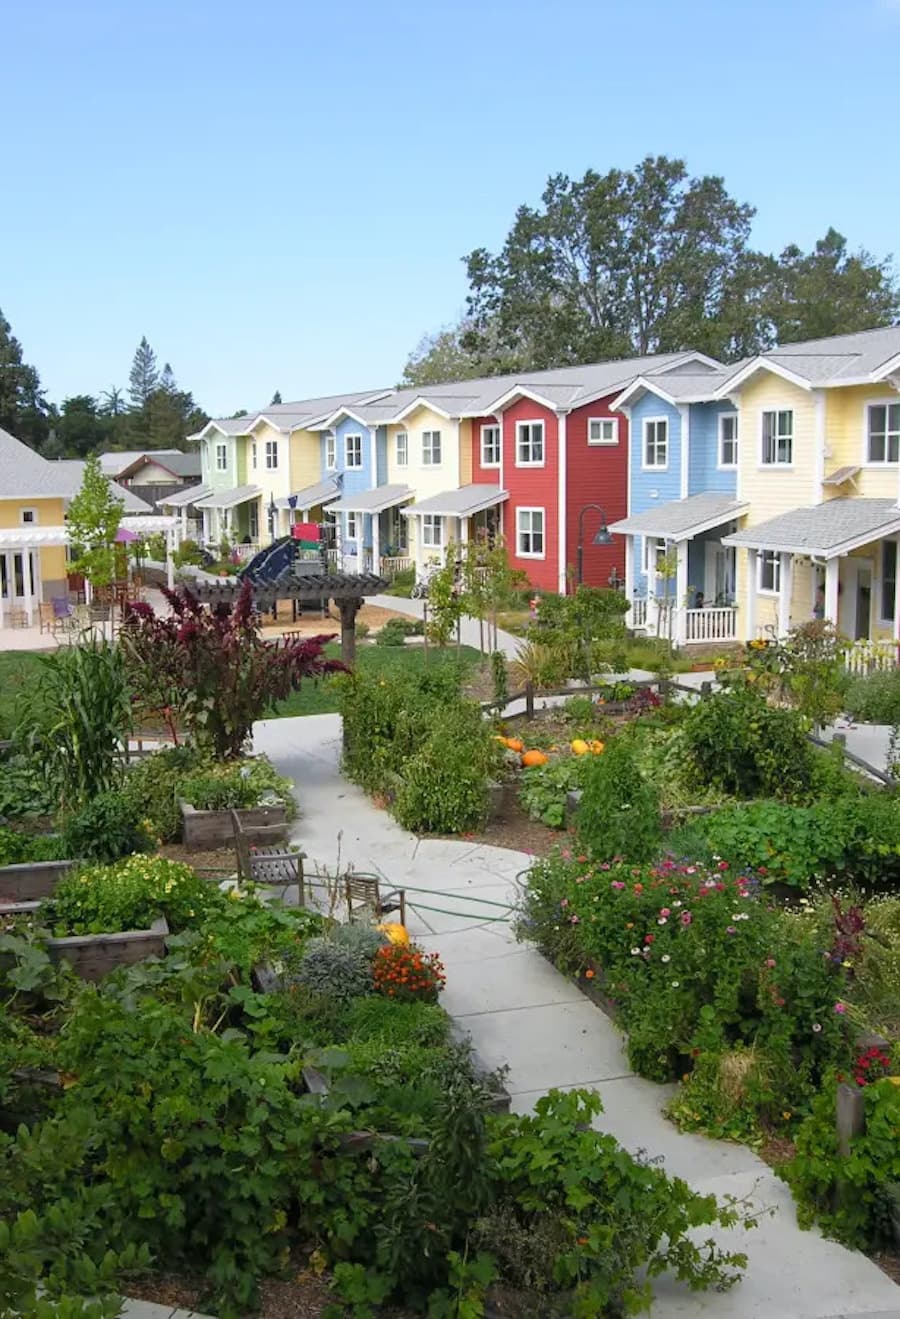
353, 467
430, 460
772, 592
720, 465
655, 467
656, 542
492, 426
885, 464
776, 466
354, 534
435, 523
272, 453
220, 447
30, 522
609, 421
534, 421
330, 452
253, 455
530, 554
404, 461
878, 581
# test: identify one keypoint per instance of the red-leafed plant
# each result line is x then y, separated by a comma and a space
209, 671
407, 973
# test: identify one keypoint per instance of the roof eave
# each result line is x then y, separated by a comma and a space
818, 552
760, 364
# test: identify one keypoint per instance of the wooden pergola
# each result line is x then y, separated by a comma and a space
348, 590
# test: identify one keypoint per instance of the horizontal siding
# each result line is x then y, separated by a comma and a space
485, 475
596, 474
703, 461
846, 438
773, 490
532, 487
431, 479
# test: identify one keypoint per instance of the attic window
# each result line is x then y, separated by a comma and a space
29, 517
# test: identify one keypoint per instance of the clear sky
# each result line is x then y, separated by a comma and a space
279, 194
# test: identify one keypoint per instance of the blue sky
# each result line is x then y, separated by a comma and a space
278, 194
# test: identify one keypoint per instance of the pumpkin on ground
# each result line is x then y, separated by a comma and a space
394, 931
532, 758
597, 748
580, 747
515, 744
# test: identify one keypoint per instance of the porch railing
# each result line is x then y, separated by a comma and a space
391, 564
715, 624
867, 656
244, 551
638, 616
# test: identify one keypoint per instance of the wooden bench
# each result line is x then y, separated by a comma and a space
267, 865
365, 899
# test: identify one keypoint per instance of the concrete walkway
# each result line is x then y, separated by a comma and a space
521, 1013
469, 631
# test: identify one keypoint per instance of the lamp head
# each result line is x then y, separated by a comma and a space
603, 536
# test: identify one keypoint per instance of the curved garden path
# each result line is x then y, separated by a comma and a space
522, 1013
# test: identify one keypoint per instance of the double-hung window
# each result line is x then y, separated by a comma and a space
401, 452
778, 438
330, 451
353, 451
530, 533
352, 529
490, 446
888, 580
655, 550
432, 530
883, 429
431, 448
728, 439
656, 442
530, 444
603, 430
221, 457
271, 455
253, 454
770, 571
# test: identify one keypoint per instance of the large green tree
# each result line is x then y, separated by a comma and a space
93, 519
646, 260
81, 429
143, 378
23, 409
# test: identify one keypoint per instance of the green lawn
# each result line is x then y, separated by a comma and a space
18, 670
321, 697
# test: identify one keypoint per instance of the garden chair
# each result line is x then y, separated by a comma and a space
273, 866
366, 901
64, 617
46, 616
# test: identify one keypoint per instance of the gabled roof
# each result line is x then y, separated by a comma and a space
682, 519
864, 358
114, 463
824, 530
25, 474
171, 460
680, 387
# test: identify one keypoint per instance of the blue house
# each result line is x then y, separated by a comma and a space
683, 498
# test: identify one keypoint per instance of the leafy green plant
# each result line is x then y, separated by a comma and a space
545, 788
16, 847
334, 970
234, 786
874, 697
748, 748
154, 785
619, 813
500, 681
77, 719
107, 828
128, 896
444, 786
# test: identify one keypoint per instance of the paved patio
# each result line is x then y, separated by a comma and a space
522, 1014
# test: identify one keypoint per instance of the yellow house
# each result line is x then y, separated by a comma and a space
34, 497
819, 468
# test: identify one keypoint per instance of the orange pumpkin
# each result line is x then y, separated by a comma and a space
515, 744
532, 758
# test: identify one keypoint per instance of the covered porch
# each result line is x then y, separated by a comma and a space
234, 514
453, 518
312, 504
834, 561
680, 575
181, 504
371, 531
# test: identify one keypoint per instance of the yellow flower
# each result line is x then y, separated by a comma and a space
786, 1114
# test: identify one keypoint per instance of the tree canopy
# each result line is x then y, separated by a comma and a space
23, 410
641, 261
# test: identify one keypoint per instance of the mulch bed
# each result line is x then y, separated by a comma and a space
222, 861
305, 1296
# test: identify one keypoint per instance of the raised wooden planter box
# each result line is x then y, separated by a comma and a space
31, 880
92, 956
206, 831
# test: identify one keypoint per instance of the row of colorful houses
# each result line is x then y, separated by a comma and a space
729, 501
742, 499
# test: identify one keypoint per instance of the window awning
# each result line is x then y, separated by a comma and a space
373, 501
323, 492
682, 519
823, 531
461, 503
241, 494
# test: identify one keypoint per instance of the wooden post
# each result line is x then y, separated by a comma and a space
706, 689
348, 610
851, 1116
529, 700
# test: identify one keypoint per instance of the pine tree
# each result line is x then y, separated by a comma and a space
167, 380
23, 409
144, 377
276, 398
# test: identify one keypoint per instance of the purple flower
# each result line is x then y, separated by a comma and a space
618, 884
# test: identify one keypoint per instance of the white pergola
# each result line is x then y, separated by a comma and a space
26, 539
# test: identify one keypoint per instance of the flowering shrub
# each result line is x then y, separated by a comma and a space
408, 974
698, 965
130, 895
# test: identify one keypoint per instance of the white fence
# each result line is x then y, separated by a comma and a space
685, 626
714, 624
391, 564
866, 656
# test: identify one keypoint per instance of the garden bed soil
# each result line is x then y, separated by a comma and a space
305, 1296
314, 625
220, 861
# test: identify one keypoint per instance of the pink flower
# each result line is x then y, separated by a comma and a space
840, 1008
686, 918
723, 865
618, 884
649, 938
564, 902
770, 961
566, 854
664, 911
731, 929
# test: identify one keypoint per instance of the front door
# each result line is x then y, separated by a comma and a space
855, 598
13, 584
863, 601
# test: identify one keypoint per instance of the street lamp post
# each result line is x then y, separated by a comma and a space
601, 537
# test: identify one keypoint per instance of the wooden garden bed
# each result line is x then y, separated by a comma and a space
92, 956
207, 831
30, 881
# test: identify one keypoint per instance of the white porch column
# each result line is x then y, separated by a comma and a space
752, 579
184, 522
681, 590
205, 530
376, 542
629, 567
832, 576
171, 538
29, 585
6, 564
464, 533
897, 597
785, 592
